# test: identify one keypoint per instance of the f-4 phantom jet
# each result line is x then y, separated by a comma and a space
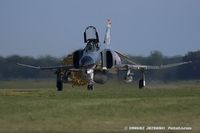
92, 63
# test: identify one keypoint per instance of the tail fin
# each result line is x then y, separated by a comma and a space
107, 38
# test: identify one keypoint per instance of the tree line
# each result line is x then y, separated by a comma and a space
9, 70
185, 72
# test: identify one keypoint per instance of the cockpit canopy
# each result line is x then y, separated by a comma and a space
91, 35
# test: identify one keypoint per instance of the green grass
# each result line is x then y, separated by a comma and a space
36, 106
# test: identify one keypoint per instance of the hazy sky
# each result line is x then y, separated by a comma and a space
55, 27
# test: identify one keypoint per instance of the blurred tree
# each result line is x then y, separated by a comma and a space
190, 71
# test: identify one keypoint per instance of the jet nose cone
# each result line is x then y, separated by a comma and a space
87, 61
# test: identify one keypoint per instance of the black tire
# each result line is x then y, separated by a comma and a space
141, 83
59, 85
90, 87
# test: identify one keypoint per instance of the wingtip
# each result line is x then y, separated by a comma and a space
18, 63
188, 62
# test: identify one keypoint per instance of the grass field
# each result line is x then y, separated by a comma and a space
36, 106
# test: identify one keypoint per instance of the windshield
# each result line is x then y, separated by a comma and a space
91, 35
91, 47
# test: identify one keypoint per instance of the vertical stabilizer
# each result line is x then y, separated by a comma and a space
107, 38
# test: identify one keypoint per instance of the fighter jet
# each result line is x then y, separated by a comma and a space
92, 63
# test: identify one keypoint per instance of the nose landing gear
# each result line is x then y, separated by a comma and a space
90, 87
90, 78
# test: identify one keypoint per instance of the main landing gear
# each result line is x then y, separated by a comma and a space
59, 83
142, 80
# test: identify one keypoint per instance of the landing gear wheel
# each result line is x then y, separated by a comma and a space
90, 87
59, 85
141, 83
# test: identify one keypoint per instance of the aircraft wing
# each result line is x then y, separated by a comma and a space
135, 66
146, 67
46, 68
123, 56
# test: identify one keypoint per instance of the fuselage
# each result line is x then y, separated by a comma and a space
95, 54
